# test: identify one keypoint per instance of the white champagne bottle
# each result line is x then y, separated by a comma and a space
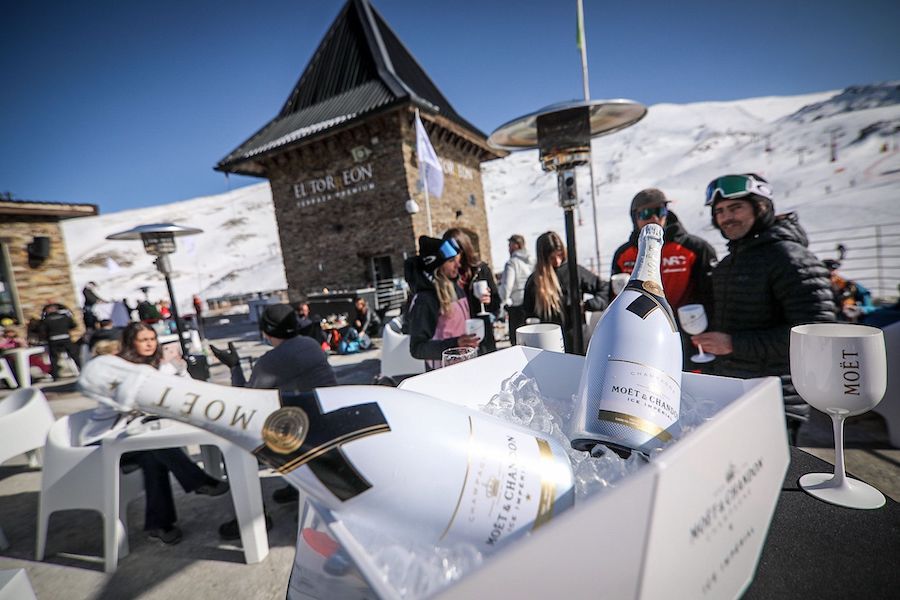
425, 470
630, 390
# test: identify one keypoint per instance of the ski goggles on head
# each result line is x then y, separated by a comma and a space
654, 211
449, 249
730, 187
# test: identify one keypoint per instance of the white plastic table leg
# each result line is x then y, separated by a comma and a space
212, 461
115, 538
243, 477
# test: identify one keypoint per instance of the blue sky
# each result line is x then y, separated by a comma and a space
130, 104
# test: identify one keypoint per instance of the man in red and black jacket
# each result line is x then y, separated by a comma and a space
687, 260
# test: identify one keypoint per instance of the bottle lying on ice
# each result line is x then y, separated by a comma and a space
425, 469
630, 390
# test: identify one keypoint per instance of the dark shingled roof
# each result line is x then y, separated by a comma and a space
39, 208
359, 67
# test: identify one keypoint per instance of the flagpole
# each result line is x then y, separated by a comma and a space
582, 44
428, 212
425, 187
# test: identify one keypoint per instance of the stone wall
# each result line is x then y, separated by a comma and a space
41, 284
462, 203
340, 201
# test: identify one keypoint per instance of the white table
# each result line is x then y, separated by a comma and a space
23, 369
243, 477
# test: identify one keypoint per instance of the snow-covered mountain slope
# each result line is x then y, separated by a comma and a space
680, 148
677, 148
238, 251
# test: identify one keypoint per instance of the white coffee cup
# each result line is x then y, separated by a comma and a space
475, 327
546, 336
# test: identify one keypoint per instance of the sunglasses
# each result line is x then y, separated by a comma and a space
729, 187
655, 211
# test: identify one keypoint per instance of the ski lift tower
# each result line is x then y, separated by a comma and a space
562, 132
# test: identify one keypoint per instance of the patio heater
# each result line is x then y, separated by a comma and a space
562, 132
159, 241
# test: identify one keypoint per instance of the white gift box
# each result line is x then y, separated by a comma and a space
690, 524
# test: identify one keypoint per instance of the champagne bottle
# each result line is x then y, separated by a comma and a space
425, 469
630, 390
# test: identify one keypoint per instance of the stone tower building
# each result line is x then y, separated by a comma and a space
341, 159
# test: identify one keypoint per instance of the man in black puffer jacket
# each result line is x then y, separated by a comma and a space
768, 283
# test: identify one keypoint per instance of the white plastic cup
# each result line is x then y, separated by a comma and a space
546, 336
475, 327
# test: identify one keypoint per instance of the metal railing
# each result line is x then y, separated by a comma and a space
872, 255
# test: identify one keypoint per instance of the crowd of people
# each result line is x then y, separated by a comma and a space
104, 322
767, 283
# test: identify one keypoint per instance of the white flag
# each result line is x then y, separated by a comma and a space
429, 166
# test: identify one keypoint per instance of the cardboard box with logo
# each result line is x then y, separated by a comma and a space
690, 524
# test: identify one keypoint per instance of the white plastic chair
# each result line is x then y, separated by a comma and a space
395, 357
75, 477
25, 419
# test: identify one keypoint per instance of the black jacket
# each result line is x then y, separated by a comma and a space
422, 320
55, 326
588, 283
768, 283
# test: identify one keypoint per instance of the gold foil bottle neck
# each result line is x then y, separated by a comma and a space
653, 288
285, 429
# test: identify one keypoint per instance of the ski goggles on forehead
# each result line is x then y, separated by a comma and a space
654, 211
449, 249
730, 187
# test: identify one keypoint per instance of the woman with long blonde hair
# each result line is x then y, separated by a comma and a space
438, 312
547, 290
472, 269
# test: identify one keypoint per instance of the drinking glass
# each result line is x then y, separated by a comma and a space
841, 370
693, 321
618, 282
480, 288
451, 356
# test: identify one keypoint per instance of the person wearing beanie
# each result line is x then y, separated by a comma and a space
472, 269
436, 319
768, 283
296, 363
687, 260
